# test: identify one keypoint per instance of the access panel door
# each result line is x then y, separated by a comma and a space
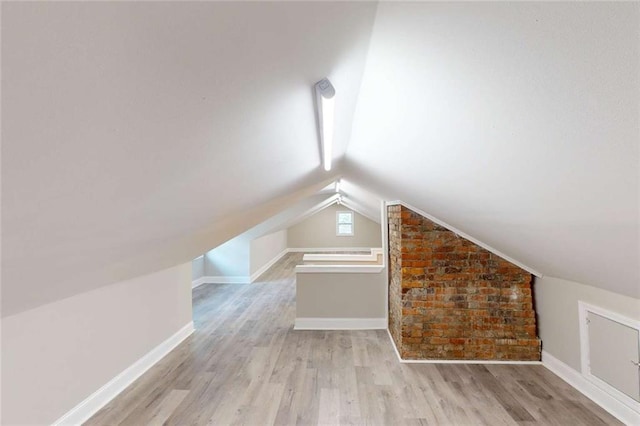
614, 354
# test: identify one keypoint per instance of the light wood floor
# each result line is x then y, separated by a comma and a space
246, 365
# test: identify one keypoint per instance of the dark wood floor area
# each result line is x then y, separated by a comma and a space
246, 365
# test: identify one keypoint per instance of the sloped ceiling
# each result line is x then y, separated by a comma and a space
130, 128
517, 123
138, 135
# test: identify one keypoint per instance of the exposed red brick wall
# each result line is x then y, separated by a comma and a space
451, 299
395, 274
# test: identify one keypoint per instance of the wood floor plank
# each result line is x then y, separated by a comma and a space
246, 365
159, 415
329, 407
497, 389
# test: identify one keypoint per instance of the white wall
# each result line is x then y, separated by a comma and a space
515, 122
319, 231
242, 256
341, 295
114, 89
230, 259
56, 355
197, 268
556, 303
265, 249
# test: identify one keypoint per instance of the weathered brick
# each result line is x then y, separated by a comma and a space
449, 298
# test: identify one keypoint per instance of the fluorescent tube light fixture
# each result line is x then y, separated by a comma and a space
338, 186
325, 97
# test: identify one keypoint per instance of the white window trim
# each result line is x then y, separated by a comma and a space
353, 228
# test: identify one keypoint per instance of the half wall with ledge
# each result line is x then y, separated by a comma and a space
341, 292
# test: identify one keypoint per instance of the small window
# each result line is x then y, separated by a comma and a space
344, 224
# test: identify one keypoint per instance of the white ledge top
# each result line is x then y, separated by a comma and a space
343, 257
339, 269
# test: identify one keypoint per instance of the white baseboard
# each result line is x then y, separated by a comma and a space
198, 282
221, 280
616, 408
241, 279
340, 324
87, 408
326, 249
455, 361
268, 265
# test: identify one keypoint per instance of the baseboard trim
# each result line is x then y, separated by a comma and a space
221, 280
87, 408
616, 408
198, 282
455, 361
340, 324
268, 265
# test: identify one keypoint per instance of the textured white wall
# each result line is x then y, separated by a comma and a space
56, 355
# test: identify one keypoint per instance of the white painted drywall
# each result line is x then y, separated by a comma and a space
340, 295
556, 303
319, 231
234, 257
230, 259
515, 122
197, 268
145, 133
56, 355
266, 248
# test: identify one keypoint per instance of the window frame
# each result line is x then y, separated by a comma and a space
352, 223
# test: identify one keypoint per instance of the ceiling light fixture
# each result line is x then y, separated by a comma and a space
325, 96
337, 186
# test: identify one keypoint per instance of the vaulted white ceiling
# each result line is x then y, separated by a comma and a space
138, 135
517, 123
